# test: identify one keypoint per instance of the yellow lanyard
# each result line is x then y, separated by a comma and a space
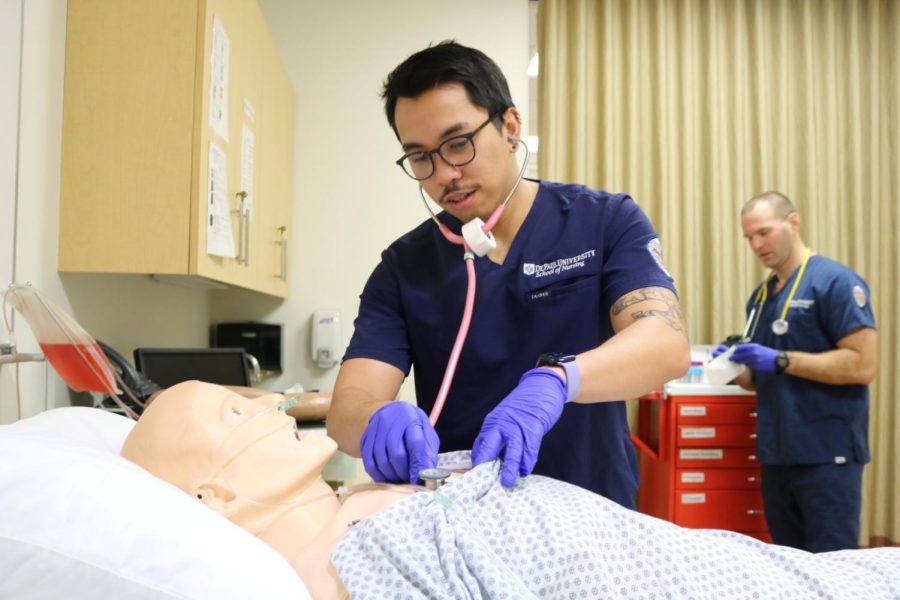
763, 293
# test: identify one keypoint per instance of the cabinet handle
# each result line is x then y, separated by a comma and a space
752, 436
754, 511
283, 242
751, 479
751, 457
246, 216
242, 225
752, 414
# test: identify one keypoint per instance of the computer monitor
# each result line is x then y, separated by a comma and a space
168, 366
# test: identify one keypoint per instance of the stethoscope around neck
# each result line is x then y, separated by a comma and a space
780, 326
476, 240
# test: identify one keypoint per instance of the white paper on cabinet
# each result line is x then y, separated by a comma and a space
219, 234
218, 80
247, 143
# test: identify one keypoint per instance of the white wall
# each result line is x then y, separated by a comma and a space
350, 201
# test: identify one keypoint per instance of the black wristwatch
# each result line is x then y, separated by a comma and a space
568, 364
554, 359
782, 362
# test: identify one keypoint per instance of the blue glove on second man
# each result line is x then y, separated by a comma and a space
517, 425
756, 356
398, 442
720, 349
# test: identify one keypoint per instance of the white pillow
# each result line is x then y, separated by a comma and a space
79, 521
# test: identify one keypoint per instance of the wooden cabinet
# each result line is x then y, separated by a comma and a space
698, 458
137, 137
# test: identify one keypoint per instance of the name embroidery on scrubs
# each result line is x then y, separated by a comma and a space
557, 266
802, 304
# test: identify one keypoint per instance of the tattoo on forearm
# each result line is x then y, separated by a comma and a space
671, 314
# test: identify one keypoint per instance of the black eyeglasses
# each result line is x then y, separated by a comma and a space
456, 152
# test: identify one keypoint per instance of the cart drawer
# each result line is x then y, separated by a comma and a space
717, 479
704, 436
691, 458
715, 413
737, 510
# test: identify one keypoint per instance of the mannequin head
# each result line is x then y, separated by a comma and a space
240, 456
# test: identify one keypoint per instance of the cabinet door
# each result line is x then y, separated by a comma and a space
127, 145
238, 21
272, 220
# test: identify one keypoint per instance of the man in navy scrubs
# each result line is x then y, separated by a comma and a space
574, 310
812, 355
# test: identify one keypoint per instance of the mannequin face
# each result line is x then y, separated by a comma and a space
221, 446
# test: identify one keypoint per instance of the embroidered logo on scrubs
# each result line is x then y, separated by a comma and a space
859, 295
557, 266
654, 247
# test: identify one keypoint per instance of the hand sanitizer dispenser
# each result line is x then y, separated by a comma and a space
326, 338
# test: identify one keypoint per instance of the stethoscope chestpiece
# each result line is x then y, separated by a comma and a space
434, 478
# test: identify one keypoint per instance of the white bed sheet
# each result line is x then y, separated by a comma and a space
79, 521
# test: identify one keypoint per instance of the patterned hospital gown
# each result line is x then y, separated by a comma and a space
548, 539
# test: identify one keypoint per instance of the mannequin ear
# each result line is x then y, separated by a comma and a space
217, 496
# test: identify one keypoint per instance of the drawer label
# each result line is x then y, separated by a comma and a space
693, 477
697, 498
701, 454
692, 411
698, 433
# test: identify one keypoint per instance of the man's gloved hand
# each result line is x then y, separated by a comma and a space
517, 425
757, 357
720, 349
398, 442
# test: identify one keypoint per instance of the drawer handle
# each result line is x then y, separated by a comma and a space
751, 457
754, 511
751, 479
752, 436
752, 414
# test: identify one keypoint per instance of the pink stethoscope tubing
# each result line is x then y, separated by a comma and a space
469, 258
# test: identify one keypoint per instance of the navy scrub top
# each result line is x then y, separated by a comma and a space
802, 421
577, 252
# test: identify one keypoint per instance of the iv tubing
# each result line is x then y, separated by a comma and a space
469, 258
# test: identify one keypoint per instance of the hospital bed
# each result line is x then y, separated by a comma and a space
79, 521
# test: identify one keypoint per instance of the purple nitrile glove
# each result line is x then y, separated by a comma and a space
756, 356
720, 349
517, 425
398, 442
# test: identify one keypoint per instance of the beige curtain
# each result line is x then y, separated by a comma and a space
694, 106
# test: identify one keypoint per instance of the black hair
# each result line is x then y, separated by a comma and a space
448, 62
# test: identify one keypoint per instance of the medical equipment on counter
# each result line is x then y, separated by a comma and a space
70, 350
476, 238
721, 370
780, 326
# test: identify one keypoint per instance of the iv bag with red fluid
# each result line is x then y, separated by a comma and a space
69, 349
